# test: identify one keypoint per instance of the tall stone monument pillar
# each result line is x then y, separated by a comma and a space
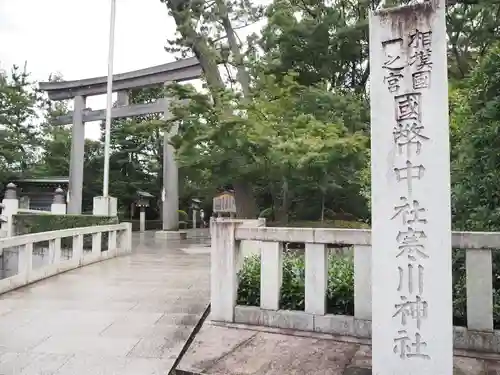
171, 183
170, 191
170, 176
411, 216
77, 157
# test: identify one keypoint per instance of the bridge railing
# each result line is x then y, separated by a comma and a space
227, 236
32, 257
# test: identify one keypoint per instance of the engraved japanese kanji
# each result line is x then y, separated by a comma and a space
407, 277
409, 137
411, 244
410, 212
408, 348
409, 173
393, 64
411, 309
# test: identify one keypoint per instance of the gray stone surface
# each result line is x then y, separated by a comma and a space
239, 349
129, 315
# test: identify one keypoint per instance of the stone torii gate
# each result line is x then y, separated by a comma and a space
79, 90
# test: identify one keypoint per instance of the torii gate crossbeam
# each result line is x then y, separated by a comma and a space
79, 90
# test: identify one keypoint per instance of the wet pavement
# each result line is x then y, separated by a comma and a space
128, 315
237, 349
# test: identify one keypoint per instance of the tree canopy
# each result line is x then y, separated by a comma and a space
284, 116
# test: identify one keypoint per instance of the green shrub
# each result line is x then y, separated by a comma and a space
183, 216
266, 213
45, 222
340, 289
183, 219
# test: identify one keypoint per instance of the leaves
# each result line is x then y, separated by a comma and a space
19, 132
476, 130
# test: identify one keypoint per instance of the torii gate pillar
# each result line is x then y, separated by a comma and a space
75, 190
170, 179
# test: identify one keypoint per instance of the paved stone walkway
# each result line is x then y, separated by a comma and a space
237, 349
128, 315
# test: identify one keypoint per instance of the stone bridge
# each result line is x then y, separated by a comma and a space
126, 315
101, 300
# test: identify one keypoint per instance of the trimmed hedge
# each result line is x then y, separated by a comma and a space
45, 222
340, 289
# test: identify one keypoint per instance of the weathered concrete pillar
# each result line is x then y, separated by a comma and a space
223, 270
58, 206
142, 220
123, 98
411, 215
105, 206
170, 178
10, 204
77, 157
24, 202
170, 193
194, 218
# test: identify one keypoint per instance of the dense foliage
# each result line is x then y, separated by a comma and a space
36, 223
284, 117
340, 287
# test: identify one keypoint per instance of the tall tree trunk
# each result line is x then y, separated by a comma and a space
322, 206
246, 205
282, 209
199, 45
242, 75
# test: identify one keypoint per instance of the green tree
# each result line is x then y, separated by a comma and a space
209, 31
327, 40
273, 141
19, 130
476, 134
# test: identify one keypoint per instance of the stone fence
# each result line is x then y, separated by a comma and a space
10, 207
228, 235
20, 258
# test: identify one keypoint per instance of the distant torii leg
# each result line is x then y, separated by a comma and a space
77, 157
170, 182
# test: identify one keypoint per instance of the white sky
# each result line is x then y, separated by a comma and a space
71, 37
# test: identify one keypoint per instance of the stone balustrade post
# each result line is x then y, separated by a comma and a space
58, 206
10, 204
224, 262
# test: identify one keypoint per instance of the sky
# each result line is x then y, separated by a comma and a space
71, 37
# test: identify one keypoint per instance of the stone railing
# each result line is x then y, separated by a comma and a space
226, 260
33, 257
29, 211
11, 206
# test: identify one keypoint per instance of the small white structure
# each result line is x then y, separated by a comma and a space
105, 206
10, 207
411, 216
59, 205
